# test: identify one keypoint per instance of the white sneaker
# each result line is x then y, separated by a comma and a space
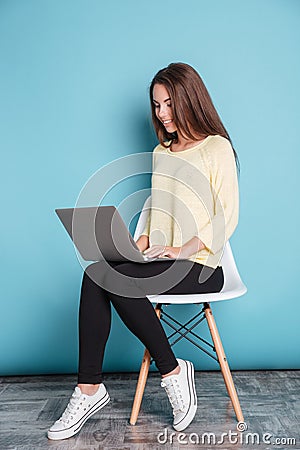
182, 394
80, 408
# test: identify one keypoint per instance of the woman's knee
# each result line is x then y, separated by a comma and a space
121, 280
96, 272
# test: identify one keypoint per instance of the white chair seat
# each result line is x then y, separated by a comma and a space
233, 286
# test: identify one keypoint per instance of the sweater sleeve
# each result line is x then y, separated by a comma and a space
225, 199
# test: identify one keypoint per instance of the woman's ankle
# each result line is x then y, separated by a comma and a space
88, 389
175, 371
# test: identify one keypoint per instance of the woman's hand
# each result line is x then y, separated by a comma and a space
194, 245
160, 251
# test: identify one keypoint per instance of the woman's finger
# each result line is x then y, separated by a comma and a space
156, 249
154, 254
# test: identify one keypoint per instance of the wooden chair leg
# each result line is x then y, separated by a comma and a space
223, 362
140, 388
139, 392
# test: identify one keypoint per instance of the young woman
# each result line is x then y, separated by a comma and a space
194, 211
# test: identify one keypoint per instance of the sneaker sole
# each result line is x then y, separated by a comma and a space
190, 414
74, 429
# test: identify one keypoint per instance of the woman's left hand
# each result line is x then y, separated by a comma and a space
160, 251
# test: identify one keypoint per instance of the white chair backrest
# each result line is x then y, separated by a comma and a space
232, 279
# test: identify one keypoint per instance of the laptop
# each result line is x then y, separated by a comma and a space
99, 233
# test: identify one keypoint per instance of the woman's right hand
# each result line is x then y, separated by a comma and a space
142, 242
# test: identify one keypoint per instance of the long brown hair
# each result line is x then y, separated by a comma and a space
193, 111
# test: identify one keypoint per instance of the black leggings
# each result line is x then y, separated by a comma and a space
100, 289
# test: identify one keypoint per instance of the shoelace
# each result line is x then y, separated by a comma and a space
174, 393
70, 410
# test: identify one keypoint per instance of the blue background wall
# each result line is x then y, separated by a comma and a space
74, 78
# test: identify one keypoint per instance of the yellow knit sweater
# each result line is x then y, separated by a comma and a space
194, 193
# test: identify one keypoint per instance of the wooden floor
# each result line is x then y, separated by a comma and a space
270, 401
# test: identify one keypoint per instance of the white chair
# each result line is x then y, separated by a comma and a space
233, 287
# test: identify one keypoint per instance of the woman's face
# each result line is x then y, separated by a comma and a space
163, 107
